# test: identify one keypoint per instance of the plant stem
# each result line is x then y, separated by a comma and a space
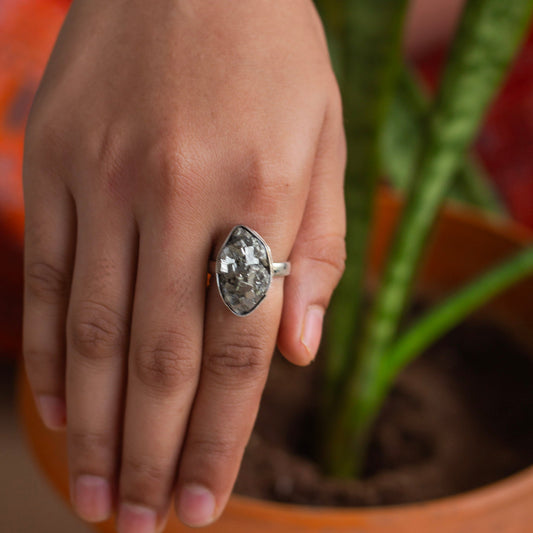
487, 39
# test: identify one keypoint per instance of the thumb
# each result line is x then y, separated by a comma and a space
318, 255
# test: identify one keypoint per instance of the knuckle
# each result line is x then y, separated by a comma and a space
242, 359
164, 363
179, 173
91, 448
35, 361
329, 252
270, 185
96, 331
143, 469
142, 478
45, 141
44, 370
46, 282
220, 449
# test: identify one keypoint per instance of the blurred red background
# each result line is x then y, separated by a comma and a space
27, 32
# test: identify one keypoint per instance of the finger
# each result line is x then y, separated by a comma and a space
97, 344
236, 358
50, 227
317, 258
166, 344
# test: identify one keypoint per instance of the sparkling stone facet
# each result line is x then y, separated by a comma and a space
243, 271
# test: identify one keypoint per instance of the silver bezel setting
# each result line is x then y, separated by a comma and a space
218, 269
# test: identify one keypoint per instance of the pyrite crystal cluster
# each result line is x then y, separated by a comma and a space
243, 270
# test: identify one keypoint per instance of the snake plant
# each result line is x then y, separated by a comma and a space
422, 146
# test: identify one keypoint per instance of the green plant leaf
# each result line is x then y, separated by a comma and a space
488, 36
449, 313
371, 47
401, 143
402, 135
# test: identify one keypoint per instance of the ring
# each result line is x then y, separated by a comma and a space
244, 270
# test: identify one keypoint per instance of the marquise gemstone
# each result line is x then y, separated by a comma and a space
243, 271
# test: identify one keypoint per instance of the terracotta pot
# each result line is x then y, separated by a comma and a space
464, 244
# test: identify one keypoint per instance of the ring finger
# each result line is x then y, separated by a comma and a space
236, 359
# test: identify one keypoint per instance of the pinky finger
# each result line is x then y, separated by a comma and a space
48, 256
319, 251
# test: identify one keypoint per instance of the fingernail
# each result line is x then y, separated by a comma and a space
312, 329
196, 506
53, 411
136, 519
92, 498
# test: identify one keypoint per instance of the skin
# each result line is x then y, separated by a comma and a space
157, 127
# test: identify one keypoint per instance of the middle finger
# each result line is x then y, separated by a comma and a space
165, 351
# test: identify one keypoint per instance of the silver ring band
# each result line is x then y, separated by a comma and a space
281, 269
278, 269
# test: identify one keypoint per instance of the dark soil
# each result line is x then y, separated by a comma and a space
459, 417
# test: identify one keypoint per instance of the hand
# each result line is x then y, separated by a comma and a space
158, 126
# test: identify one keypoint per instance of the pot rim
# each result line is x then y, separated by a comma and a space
479, 497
